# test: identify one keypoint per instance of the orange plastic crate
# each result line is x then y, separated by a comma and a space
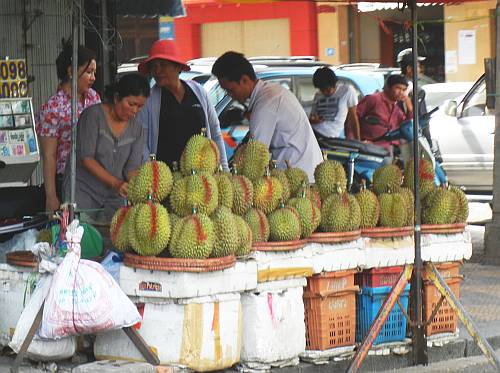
330, 281
330, 319
447, 270
445, 320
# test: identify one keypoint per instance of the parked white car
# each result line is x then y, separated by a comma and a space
464, 133
436, 94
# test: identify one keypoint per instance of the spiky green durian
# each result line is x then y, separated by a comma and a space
309, 214
296, 178
119, 230
257, 221
200, 154
370, 208
226, 233
197, 190
440, 207
409, 204
245, 236
252, 159
150, 227
284, 224
281, 176
393, 212
330, 177
387, 178
173, 219
193, 237
340, 213
154, 179
462, 212
267, 194
426, 171
225, 188
243, 194
176, 173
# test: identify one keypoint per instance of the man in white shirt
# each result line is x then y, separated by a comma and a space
332, 105
276, 117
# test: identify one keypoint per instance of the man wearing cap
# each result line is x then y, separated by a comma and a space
276, 117
176, 109
379, 112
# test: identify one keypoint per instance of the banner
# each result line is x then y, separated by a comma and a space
13, 78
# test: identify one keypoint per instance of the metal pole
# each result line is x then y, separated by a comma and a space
419, 350
74, 97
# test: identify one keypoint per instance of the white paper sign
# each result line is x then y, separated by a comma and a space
467, 47
450, 61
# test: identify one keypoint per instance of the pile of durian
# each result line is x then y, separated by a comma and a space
391, 203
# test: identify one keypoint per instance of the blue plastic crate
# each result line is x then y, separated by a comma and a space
368, 303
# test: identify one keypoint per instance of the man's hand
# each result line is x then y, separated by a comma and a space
52, 204
315, 119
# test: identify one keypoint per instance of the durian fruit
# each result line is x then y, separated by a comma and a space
409, 204
193, 237
440, 207
257, 221
267, 193
340, 213
44, 235
225, 188
426, 171
370, 208
393, 212
200, 154
284, 224
243, 194
245, 236
281, 176
173, 219
198, 189
312, 193
176, 173
154, 179
462, 212
252, 159
309, 214
227, 239
150, 227
329, 176
387, 178
296, 178
119, 228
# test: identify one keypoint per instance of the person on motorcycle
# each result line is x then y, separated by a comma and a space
379, 112
332, 105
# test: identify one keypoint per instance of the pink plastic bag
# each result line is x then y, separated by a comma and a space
83, 297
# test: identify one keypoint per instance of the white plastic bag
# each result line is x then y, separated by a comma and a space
47, 350
83, 297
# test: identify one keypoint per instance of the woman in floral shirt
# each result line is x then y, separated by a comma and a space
53, 120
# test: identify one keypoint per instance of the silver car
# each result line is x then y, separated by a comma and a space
463, 131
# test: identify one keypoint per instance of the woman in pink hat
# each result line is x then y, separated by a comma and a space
176, 109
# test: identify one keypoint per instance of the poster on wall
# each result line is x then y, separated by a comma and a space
13, 78
467, 47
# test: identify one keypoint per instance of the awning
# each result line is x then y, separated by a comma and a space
371, 7
150, 8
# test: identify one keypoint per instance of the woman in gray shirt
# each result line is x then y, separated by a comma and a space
109, 148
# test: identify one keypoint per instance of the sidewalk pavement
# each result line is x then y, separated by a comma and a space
480, 295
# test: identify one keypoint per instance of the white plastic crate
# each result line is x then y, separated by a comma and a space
337, 256
283, 265
203, 334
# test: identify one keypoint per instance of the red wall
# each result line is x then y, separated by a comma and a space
301, 15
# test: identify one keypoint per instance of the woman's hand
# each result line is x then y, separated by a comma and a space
52, 204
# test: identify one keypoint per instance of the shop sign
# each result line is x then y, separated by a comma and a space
13, 78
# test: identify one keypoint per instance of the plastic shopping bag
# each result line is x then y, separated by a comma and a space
40, 349
83, 297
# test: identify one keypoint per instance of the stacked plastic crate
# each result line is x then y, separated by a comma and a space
375, 285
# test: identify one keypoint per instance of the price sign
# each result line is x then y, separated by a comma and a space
13, 78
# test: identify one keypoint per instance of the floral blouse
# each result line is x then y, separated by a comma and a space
54, 120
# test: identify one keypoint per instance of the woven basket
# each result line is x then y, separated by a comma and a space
387, 232
443, 228
178, 264
279, 245
334, 237
22, 259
